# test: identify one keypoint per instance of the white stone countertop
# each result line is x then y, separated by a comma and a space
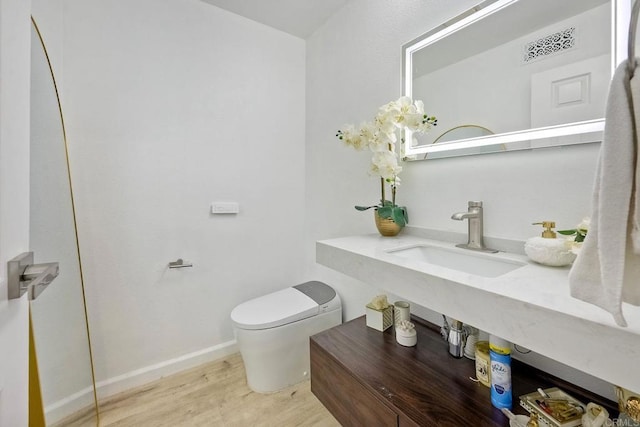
529, 306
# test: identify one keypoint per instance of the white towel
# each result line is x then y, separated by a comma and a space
607, 270
635, 213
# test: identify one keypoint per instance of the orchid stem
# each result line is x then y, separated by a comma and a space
393, 195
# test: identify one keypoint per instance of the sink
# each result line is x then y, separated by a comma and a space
477, 263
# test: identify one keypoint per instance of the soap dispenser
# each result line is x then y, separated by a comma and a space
548, 249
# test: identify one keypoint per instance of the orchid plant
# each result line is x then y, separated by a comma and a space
578, 235
380, 136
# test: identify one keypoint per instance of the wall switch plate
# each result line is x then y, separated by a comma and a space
225, 208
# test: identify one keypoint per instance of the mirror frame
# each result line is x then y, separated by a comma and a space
620, 17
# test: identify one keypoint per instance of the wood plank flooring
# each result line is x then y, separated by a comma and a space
214, 394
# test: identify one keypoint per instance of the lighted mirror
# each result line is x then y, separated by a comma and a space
535, 72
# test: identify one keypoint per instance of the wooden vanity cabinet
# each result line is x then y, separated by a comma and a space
365, 378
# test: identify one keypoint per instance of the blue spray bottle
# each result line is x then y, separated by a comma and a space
500, 356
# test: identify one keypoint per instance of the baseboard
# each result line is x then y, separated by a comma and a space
63, 408
111, 386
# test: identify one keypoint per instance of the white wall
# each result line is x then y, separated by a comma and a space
354, 66
171, 105
14, 206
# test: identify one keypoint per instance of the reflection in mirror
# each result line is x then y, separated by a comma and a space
463, 132
59, 315
515, 66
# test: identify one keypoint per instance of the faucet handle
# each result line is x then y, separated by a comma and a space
475, 204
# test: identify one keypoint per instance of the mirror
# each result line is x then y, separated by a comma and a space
60, 326
459, 133
535, 72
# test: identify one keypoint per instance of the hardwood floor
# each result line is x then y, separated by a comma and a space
214, 394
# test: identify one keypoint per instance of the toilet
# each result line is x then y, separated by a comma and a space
272, 332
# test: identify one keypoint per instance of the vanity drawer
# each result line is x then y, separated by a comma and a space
345, 397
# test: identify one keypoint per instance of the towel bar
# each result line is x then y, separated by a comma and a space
179, 263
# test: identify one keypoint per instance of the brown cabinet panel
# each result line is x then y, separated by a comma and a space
406, 422
349, 401
365, 378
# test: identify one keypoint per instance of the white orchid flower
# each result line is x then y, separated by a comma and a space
385, 164
352, 137
585, 224
368, 131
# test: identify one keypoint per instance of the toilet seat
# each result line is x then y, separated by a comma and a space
275, 309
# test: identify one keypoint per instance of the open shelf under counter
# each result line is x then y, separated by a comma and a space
365, 378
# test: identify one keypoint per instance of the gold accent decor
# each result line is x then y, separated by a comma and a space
633, 408
628, 403
386, 227
36, 407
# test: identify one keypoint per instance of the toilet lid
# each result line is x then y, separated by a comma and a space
275, 309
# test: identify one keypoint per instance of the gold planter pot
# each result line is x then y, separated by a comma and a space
386, 227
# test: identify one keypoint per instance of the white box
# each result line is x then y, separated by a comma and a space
380, 320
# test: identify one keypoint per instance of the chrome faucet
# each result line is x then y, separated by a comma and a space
474, 215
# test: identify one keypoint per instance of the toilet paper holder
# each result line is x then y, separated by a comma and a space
179, 263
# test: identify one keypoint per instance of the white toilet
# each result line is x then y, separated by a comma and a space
273, 333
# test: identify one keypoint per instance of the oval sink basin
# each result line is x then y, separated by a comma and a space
477, 263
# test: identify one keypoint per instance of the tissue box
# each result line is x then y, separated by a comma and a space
380, 320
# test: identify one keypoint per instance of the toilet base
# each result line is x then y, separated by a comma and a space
278, 357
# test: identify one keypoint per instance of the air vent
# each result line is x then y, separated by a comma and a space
552, 44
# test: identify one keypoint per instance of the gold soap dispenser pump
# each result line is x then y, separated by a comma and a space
548, 226
548, 249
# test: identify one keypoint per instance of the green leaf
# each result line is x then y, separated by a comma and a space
567, 232
364, 208
385, 212
397, 215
